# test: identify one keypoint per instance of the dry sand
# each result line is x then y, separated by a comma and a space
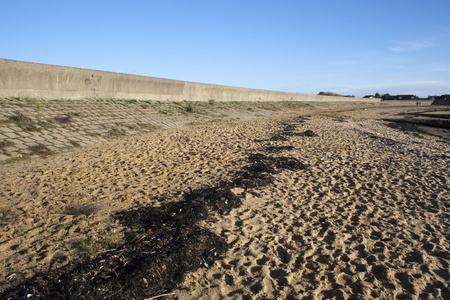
368, 217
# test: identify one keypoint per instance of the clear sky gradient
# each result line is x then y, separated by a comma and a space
354, 47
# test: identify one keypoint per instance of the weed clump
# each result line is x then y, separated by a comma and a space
5, 144
189, 108
39, 149
95, 247
75, 143
24, 122
64, 119
116, 132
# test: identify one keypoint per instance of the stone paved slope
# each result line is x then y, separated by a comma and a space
31, 127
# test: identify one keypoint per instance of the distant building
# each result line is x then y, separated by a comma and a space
440, 98
369, 96
399, 97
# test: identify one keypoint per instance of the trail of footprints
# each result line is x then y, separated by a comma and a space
340, 230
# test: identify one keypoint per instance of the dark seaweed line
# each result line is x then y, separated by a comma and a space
170, 244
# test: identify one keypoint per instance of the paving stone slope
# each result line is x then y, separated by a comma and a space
30, 127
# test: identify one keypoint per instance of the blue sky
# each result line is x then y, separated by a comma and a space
355, 47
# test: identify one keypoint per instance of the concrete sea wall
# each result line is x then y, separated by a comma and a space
30, 126
33, 80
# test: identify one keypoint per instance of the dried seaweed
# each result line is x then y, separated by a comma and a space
162, 245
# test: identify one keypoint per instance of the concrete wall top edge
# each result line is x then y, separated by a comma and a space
51, 66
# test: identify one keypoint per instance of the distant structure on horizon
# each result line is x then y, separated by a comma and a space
440, 98
399, 97
385, 97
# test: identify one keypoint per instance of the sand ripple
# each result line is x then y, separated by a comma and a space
366, 216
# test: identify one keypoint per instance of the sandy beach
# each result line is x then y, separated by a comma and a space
323, 204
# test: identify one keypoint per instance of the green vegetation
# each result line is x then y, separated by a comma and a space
39, 170
94, 247
75, 143
89, 245
19, 99
148, 127
116, 132
19, 158
67, 118
5, 144
189, 108
191, 287
39, 149
335, 116
24, 122
130, 101
6, 121
334, 94
85, 219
